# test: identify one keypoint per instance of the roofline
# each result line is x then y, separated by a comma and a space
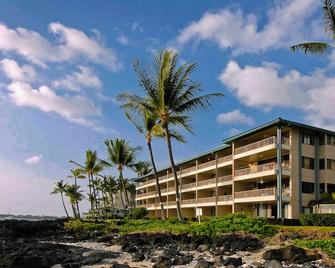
227, 142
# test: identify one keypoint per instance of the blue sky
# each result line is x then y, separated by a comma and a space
62, 65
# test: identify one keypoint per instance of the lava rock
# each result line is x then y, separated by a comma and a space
272, 264
202, 264
232, 261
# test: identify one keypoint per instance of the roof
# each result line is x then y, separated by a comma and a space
227, 142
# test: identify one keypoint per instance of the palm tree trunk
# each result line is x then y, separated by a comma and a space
74, 210
124, 188
95, 198
158, 187
67, 214
176, 182
121, 197
90, 189
77, 203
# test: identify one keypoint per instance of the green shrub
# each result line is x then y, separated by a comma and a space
327, 245
137, 213
77, 226
317, 219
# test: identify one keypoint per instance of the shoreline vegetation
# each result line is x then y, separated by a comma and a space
235, 240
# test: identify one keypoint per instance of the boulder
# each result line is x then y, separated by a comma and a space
272, 264
232, 261
202, 264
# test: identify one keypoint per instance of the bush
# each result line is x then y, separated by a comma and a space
83, 227
327, 245
317, 219
137, 213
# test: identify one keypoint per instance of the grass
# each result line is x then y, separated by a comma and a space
307, 228
326, 245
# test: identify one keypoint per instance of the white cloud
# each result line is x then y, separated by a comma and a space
70, 43
33, 160
287, 23
136, 26
75, 108
16, 72
83, 78
264, 87
122, 39
234, 117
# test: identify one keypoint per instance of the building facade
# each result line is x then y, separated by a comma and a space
274, 170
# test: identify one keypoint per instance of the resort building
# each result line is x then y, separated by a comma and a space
274, 170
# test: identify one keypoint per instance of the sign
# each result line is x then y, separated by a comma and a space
199, 212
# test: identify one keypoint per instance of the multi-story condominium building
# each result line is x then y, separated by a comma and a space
274, 170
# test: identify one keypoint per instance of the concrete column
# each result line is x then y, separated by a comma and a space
300, 171
216, 184
279, 172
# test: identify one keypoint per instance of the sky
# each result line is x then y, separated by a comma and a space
62, 64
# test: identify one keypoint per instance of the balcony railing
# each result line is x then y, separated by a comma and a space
207, 164
225, 198
207, 199
188, 201
260, 168
226, 178
259, 144
189, 185
190, 169
225, 159
256, 193
206, 182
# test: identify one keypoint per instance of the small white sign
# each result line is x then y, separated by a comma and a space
199, 212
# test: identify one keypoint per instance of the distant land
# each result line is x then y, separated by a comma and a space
27, 217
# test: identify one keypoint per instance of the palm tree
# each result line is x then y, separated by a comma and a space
170, 95
142, 168
111, 188
60, 188
76, 173
74, 195
121, 155
92, 167
318, 47
131, 189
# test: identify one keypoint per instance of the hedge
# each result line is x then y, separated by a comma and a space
317, 219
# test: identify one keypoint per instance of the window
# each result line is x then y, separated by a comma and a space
330, 140
322, 164
321, 139
307, 162
307, 210
322, 188
308, 138
307, 187
331, 164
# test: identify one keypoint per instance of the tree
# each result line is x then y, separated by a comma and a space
121, 155
74, 195
170, 95
131, 189
318, 47
76, 173
60, 188
111, 188
142, 168
92, 167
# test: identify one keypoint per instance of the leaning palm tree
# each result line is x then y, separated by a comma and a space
60, 188
92, 167
121, 155
74, 195
170, 95
318, 47
76, 173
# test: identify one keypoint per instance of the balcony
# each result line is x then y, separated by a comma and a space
227, 179
224, 160
264, 170
188, 186
211, 163
210, 199
260, 195
224, 198
265, 144
206, 183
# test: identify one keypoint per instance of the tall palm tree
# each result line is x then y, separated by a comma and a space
92, 167
74, 195
60, 188
318, 47
76, 173
142, 168
170, 95
111, 188
131, 189
121, 155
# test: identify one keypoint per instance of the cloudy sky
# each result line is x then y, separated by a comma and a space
62, 65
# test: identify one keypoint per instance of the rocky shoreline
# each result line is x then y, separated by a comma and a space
45, 244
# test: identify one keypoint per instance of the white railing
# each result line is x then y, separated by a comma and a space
225, 198
207, 164
225, 159
260, 168
259, 144
189, 185
206, 182
207, 199
256, 193
190, 169
226, 178
188, 201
